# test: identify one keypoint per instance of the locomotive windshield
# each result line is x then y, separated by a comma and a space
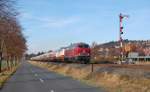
83, 46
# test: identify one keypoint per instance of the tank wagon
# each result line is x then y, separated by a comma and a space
60, 54
50, 56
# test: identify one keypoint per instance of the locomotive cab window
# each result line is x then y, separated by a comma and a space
83, 46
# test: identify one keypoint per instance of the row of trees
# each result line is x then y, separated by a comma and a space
12, 41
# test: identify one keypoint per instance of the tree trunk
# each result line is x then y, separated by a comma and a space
1, 62
7, 60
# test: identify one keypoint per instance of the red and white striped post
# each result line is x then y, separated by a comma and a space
120, 35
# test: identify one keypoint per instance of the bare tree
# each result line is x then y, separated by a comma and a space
12, 41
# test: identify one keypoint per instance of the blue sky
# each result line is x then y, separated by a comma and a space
51, 24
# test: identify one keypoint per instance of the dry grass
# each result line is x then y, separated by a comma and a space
110, 82
5, 75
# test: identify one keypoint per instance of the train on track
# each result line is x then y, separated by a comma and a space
78, 52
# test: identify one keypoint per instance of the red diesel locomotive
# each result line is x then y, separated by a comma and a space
78, 52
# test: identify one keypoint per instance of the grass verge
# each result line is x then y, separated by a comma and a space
4, 76
109, 81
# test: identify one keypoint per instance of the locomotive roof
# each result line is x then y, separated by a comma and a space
80, 43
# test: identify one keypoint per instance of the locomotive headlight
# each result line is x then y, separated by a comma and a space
87, 54
79, 54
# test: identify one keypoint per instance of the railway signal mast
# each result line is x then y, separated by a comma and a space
121, 17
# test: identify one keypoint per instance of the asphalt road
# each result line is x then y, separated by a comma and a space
29, 78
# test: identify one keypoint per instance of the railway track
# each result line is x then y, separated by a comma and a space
96, 65
130, 66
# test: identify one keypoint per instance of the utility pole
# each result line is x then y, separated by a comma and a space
121, 17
